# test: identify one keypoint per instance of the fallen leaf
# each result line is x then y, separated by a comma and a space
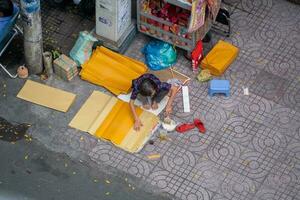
196, 176
246, 162
204, 157
259, 60
26, 157
163, 137
107, 181
44, 77
226, 173
107, 193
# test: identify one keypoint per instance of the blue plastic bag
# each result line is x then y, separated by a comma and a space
159, 55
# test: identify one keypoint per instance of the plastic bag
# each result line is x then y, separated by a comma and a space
82, 49
204, 75
159, 55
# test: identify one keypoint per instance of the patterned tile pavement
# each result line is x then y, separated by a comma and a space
251, 149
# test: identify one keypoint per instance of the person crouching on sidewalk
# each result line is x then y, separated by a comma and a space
150, 91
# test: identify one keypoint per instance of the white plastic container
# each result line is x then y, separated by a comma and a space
113, 17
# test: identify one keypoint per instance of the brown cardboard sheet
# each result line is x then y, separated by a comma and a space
47, 96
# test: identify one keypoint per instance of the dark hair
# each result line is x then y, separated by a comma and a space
6, 8
147, 87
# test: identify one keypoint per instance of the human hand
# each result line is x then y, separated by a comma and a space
154, 106
137, 125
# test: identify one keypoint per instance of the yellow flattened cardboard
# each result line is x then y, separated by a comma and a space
108, 118
46, 96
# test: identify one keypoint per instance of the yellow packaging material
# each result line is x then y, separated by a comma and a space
108, 118
46, 96
153, 156
111, 70
220, 57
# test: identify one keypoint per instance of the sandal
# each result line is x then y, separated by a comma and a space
199, 125
184, 127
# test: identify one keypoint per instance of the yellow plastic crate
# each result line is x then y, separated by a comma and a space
220, 57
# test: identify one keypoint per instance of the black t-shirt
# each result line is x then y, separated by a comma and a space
6, 8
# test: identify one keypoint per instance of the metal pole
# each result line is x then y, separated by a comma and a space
33, 40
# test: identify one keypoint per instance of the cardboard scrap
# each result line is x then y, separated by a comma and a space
47, 96
153, 156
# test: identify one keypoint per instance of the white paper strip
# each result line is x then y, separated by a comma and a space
186, 99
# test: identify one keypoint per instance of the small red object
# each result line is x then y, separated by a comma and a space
184, 127
174, 19
197, 55
199, 125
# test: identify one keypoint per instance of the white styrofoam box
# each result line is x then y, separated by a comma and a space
113, 17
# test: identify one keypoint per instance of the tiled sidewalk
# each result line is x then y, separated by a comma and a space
251, 149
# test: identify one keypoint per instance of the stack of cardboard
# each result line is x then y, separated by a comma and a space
65, 67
